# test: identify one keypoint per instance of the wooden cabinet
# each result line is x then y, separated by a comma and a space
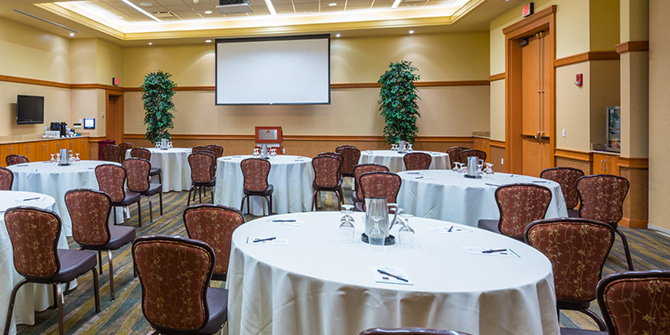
605, 164
26, 149
41, 150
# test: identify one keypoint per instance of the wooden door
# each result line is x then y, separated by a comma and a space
114, 116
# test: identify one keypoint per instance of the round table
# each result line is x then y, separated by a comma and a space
394, 160
309, 282
448, 195
31, 297
175, 171
291, 177
54, 180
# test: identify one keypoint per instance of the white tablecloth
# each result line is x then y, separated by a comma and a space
31, 297
318, 285
51, 179
394, 160
447, 195
291, 177
173, 162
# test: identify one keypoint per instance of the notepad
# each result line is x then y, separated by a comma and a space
390, 275
288, 222
493, 251
450, 230
266, 240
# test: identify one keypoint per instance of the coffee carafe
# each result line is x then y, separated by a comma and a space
377, 215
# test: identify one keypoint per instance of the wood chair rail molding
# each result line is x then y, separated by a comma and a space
585, 57
632, 46
341, 138
625, 162
498, 76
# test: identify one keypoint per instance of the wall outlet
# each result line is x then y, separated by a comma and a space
563, 132
502, 161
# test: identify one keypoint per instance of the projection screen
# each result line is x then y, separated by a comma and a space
283, 70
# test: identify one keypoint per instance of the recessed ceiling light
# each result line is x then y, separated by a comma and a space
411, 32
338, 35
150, 43
332, 4
71, 34
208, 41
208, 12
146, 4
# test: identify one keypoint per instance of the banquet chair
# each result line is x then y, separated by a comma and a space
139, 181
454, 154
333, 154
379, 185
410, 331
112, 180
567, 178
518, 205
16, 159
172, 305
463, 155
577, 249
359, 170
146, 154
34, 234
255, 172
111, 153
202, 148
214, 225
202, 174
350, 156
417, 161
217, 149
124, 148
602, 198
89, 210
327, 177
6, 179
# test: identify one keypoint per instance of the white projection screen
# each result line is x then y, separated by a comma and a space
287, 70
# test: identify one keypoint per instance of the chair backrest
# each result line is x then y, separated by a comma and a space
137, 170
567, 178
326, 170
577, 249
202, 148
332, 154
169, 302
359, 170
380, 185
111, 153
16, 159
201, 166
112, 180
124, 148
602, 197
217, 149
519, 205
410, 331
89, 210
417, 161
255, 172
463, 156
455, 154
214, 225
350, 156
6, 179
34, 233
140, 153
636, 302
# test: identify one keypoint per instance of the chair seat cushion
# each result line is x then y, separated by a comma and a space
74, 263
267, 191
131, 198
573, 213
210, 183
490, 225
154, 171
217, 303
578, 331
154, 188
121, 235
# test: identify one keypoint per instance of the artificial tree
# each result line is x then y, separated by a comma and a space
398, 102
157, 93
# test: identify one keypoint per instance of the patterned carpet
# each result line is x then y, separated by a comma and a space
124, 315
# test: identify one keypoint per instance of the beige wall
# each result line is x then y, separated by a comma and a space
497, 110
635, 104
604, 90
572, 108
634, 20
603, 25
56, 108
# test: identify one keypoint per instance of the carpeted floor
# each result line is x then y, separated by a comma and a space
124, 315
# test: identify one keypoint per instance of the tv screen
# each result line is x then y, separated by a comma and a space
30, 109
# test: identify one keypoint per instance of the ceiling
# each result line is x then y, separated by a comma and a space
137, 22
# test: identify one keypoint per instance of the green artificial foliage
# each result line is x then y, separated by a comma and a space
398, 102
158, 90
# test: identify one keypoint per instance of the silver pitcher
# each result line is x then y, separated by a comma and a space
472, 170
64, 157
377, 209
401, 146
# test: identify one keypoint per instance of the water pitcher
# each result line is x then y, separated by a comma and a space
377, 213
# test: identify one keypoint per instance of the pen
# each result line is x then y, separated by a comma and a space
450, 228
491, 184
28, 199
278, 220
418, 177
264, 239
392, 275
492, 251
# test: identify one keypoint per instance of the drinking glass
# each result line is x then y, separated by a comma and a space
409, 147
273, 152
169, 145
58, 157
376, 235
77, 157
52, 160
406, 233
489, 168
257, 152
346, 224
394, 147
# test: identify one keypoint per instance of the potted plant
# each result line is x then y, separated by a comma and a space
157, 93
398, 102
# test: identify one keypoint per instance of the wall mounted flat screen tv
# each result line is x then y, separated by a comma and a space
29, 109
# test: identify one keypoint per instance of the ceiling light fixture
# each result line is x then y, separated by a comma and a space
411, 32
208, 41
127, 2
396, 3
208, 12
338, 35
332, 4
71, 34
45, 20
146, 4
271, 7
150, 43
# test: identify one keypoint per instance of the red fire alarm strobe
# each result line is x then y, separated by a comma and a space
115, 81
528, 10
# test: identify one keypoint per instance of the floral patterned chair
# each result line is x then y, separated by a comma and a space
112, 180
327, 177
255, 172
202, 174
350, 156
146, 154
6, 179
567, 178
139, 181
417, 161
34, 234
379, 185
16, 159
636, 302
214, 225
125, 146
602, 198
217, 149
519, 205
111, 153
409, 331
455, 154
463, 155
89, 211
359, 170
171, 304
577, 249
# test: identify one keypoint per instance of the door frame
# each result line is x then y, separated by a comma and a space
114, 129
540, 21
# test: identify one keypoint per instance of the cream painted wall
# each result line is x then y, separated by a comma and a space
56, 108
83, 57
603, 25
191, 65
89, 104
634, 20
109, 59
497, 117
635, 104
572, 108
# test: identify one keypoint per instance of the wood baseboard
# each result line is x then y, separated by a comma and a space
626, 222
